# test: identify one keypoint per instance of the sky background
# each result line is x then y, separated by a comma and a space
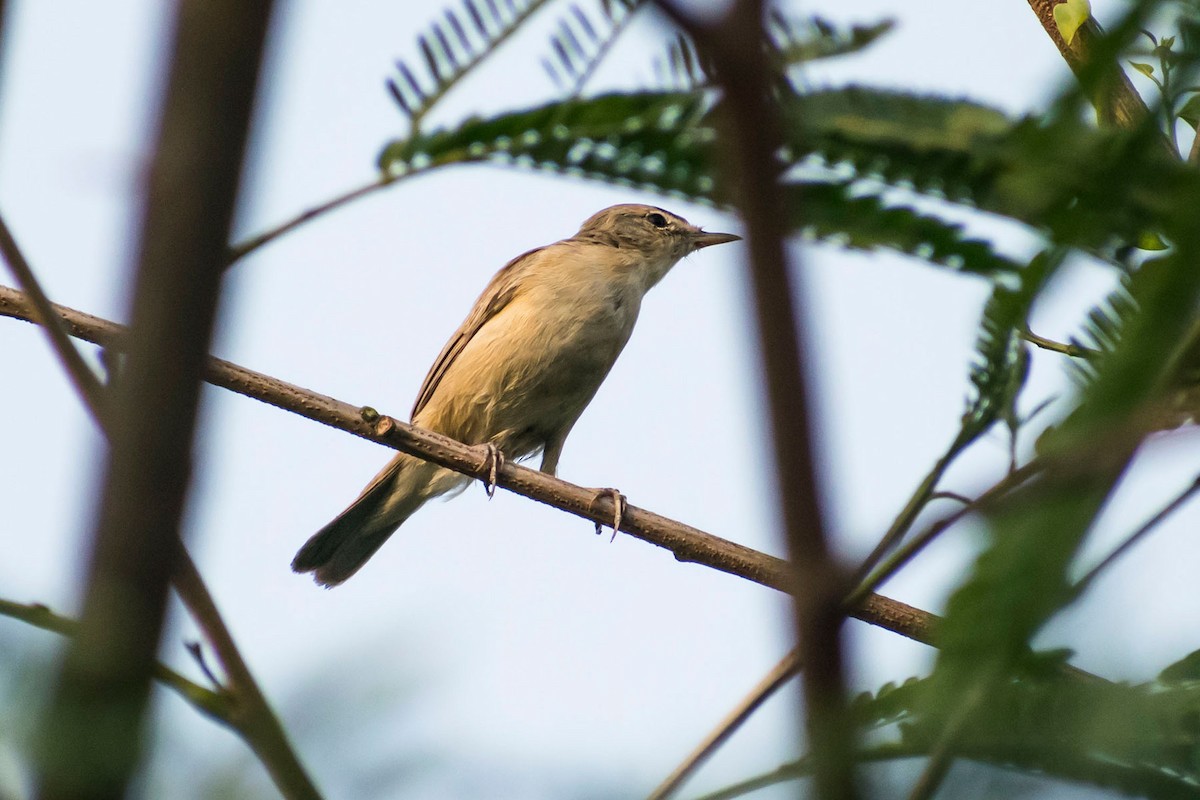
500, 648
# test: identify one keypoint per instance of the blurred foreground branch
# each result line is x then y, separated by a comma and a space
91, 738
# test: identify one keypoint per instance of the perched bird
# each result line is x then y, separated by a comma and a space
520, 369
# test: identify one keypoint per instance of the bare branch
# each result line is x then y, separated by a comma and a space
685, 542
243, 249
775, 679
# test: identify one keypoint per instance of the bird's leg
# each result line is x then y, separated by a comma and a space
619, 505
493, 459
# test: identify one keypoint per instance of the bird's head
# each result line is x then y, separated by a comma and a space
659, 237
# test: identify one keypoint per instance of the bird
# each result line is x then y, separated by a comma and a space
519, 371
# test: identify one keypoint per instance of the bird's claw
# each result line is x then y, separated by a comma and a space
493, 459
619, 506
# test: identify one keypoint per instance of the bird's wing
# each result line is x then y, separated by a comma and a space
504, 286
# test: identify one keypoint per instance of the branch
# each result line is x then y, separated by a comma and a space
775, 679
241, 250
685, 542
250, 714
91, 737
1115, 99
212, 704
1181, 499
753, 135
85, 380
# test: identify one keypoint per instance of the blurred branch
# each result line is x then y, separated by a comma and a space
774, 680
1115, 99
753, 131
91, 737
241, 705
212, 704
1170, 508
249, 713
685, 542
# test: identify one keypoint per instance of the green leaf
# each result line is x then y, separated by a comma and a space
862, 220
1145, 69
656, 140
1184, 670
663, 142
800, 42
1190, 112
1069, 16
1002, 359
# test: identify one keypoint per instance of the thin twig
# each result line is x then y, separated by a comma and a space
243, 249
955, 496
257, 722
685, 542
1073, 350
774, 680
86, 383
1083, 583
214, 704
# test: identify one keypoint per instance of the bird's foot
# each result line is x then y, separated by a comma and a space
619, 505
493, 459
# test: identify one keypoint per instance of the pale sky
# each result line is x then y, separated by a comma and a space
500, 648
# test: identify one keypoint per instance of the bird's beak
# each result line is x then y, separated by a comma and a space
704, 239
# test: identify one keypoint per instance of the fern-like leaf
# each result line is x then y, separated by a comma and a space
451, 49
845, 214
789, 43
1002, 359
800, 41
580, 42
663, 142
650, 140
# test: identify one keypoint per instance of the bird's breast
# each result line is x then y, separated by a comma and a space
530, 370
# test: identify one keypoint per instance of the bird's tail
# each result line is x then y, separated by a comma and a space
338, 550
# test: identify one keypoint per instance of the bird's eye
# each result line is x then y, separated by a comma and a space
657, 220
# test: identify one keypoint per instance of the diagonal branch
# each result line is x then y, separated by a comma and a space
1116, 101
774, 680
85, 380
685, 542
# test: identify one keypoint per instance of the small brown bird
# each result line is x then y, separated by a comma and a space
520, 369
